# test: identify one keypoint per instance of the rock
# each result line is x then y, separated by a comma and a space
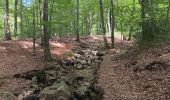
31, 97
51, 72
68, 63
20, 97
82, 93
79, 66
34, 83
29, 75
71, 78
41, 76
58, 91
28, 96
100, 54
7, 96
83, 62
77, 55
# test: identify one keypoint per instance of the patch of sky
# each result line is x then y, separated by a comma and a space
27, 2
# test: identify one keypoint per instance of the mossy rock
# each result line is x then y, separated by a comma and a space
58, 91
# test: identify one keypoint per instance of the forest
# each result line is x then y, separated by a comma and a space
84, 49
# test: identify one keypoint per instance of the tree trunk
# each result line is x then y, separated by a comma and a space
51, 13
21, 19
122, 32
28, 25
15, 18
44, 19
144, 24
112, 20
167, 16
168, 10
33, 22
41, 22
7, 33
130, 33
77, 26
91, 24
109, 20
131, 18
102, 24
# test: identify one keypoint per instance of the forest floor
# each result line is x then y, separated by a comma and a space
126, 72
16, 57
134, 74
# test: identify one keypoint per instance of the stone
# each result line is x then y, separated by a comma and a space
100, 53
7, 96
83, 62
34, 83
82, 93
77, 55
79, 66
31, 97
41, 76
28, 96
51, 72
58, 91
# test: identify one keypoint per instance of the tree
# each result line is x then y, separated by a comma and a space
15, 17
7, 33
77, 25
33, 24
102, 24
131, 18
147, 21
46, 36
21, 19
112, 21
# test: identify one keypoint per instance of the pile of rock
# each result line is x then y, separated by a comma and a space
71, 78
81, 59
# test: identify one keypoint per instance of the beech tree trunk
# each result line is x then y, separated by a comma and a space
7, 33
77, 26
33, 24
15, 18
103, 24
131, 18
21, 19
46, 36
112, 20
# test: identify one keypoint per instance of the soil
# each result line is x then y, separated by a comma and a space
16, 57
132, 74
126, 72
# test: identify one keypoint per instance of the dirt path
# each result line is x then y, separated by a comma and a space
113, 79
143, 76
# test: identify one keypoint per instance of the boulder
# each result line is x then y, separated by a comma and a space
58, 91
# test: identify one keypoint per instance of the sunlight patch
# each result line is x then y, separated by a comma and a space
2, 48
61, 45
27, 44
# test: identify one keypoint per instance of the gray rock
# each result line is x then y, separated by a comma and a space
82, 92
79, 66
34, 83
83, 62
7, 96
58, 91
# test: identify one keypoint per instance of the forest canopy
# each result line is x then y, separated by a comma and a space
141, 19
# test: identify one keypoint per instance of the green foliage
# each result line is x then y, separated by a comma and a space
62, 17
